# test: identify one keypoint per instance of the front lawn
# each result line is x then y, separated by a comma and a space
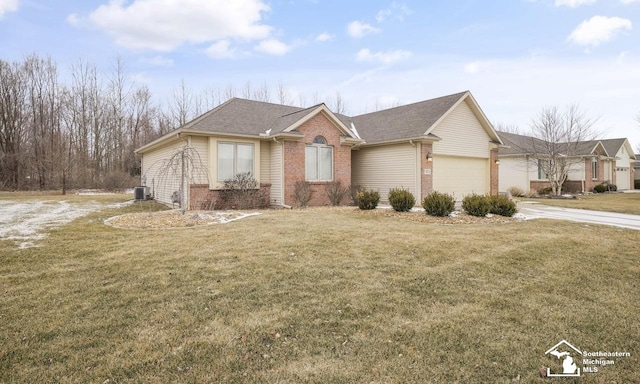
318, 295
611, 202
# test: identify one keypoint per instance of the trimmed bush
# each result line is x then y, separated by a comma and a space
354, 189
604, 187
545, 191
368, 199
501, 205
244, 192
401, 199
476, 205
438, 204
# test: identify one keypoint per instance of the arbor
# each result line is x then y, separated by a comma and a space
561, 142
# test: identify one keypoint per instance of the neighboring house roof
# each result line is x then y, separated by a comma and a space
255, 118
527, 145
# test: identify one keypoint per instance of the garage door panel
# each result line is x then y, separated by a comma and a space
623, 178
460, 176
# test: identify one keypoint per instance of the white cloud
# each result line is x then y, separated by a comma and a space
383, 14
573, 3
8, 6
629, 1
273, 47
388, 57
324, 37
472, 68
359, 29
158, 61
598, 30
398, 10
163, 25
221, 50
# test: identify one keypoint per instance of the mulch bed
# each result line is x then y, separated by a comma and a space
175, 219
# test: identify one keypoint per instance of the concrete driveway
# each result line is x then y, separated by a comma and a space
535, 210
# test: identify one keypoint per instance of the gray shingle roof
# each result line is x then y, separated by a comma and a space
404, 122
613, 145
522, 144
248, 117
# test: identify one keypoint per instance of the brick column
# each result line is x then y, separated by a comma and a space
493, 172
426, 179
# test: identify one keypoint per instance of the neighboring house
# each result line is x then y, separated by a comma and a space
592, 163
445, 144
636, 166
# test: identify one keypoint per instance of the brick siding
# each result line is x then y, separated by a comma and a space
294, 160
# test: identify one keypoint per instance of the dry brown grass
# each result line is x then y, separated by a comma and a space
611, 202
322, 295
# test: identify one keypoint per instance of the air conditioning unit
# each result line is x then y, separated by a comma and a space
141, 193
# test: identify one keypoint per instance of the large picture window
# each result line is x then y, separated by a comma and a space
319, 160
234, 158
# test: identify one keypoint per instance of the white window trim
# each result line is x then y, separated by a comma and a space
318, 180
235, 157
594, 175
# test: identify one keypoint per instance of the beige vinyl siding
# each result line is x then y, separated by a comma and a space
265, 161
276, 173
201, 145
514, 172
162, 184
382, 168
460, 176
461, 134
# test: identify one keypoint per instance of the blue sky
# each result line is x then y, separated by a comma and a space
515, 56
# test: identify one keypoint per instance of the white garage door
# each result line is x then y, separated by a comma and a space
460, 176
623, 178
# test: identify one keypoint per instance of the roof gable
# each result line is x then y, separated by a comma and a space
401, 123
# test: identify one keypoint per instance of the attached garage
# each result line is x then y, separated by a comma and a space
623, 178
460, 176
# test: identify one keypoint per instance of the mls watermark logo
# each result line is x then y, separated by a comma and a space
569, 355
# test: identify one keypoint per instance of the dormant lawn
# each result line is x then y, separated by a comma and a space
321, 296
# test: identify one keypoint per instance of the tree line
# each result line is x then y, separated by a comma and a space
81, 133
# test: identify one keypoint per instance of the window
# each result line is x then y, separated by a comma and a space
234, 158
594, 168
542, 172
319, 160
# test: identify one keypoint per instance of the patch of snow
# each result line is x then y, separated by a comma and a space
489, 215
225, 219
27, 222
522, 216
454, 214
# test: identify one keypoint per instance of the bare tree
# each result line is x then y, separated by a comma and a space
283, 95
508, 128
561, 142
262, 93
339, 105
12, 116
181, 106
246, 91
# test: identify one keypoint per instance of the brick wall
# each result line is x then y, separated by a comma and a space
569, 186
203, 198
589, 182
426, 181
294, 160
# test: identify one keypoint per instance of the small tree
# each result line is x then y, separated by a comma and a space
559, 141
